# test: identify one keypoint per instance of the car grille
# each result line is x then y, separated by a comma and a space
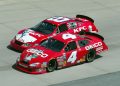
18, 42
22, 65
25, 62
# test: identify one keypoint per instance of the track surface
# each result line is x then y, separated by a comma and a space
19, 14
110, 79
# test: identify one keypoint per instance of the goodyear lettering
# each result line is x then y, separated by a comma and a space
95, 45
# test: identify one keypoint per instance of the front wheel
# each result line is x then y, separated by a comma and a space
90, 56
52, 65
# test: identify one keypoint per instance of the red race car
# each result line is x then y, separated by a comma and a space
60, 51
51, 27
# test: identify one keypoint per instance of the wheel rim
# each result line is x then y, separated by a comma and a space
51, 66
90, 56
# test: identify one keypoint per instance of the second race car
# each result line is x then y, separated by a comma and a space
51, 27
62, 50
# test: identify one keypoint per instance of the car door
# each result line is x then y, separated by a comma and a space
82, 51
71, 53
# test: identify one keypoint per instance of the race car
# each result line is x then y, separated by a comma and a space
60, 51
51, 27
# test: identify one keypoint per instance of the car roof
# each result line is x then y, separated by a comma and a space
57, 20
61, 37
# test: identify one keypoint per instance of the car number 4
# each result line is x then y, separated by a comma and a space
68, 36
72, 57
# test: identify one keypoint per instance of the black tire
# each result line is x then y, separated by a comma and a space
90, 56
52, 65
86, 17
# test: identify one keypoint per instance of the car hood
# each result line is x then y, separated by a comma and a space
38, 54
30, 36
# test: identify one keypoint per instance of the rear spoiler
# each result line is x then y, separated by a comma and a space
86, 17
92, 34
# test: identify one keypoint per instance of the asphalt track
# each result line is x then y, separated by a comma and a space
19, 14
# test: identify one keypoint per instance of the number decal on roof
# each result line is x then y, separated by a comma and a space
67, 36
58, 19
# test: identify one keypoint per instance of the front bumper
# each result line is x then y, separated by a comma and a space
29, 70
17, 46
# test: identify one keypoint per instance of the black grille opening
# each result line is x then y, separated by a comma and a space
25, 62
18, 42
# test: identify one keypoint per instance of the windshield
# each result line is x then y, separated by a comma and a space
44, 27
53, 44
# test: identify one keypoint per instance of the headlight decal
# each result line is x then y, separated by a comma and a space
28, 58
34, 64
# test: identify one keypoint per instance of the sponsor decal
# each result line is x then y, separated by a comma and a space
79, 29
61, 60
26, 37
95, 45
38, 52
28, 58
82, 59
78, 61
33, 33
44, 64
99, 48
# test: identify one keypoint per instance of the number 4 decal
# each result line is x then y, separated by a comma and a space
67, 36
59, 19
72, 57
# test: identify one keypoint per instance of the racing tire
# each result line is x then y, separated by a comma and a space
90, 56
52, 65
86, 17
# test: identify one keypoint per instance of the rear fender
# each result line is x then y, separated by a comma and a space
101, 48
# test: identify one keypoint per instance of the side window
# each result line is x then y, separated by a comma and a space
72, 25
62, 28
83, 43
71, 46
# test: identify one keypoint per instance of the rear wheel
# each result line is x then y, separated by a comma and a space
90, 56
52, 65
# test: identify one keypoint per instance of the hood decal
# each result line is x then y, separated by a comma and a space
38, 52
28, 58
26, 37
